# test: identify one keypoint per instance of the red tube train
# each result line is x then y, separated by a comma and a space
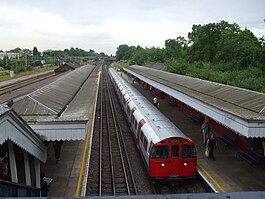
168, 154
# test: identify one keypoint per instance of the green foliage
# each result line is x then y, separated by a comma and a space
120, 64
73, 52
219, 52
35, 52
124, 52
177, 66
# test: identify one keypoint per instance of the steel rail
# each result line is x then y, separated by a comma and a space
100, 137
117, 136
110, 148
20, 84
124, 148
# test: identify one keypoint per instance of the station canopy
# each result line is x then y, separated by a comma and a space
236, 108
61, 109
15, 129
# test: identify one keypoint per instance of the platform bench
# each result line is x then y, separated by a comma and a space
195, 118
227, 140
250, 157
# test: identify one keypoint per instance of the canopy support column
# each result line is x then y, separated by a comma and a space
12, 162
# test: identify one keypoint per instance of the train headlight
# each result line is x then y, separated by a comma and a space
163, 164
185, 163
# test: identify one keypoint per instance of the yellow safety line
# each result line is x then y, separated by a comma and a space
214, 181
85, 149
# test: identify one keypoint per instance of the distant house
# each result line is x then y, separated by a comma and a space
9, 55
67, 66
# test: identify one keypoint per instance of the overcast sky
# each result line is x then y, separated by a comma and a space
102, 25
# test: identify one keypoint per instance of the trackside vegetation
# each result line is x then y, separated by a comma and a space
220, 52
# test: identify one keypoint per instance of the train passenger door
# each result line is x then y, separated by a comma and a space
141, 123
131, 116
174, 160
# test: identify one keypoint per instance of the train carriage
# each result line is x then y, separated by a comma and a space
168, 154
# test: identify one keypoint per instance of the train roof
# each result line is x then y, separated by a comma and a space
163, 127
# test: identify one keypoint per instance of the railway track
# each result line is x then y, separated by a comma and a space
197, 185
105, 179
25, 82
110, 171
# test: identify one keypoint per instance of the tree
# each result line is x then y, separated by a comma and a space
36, 53
176, 48
124, 52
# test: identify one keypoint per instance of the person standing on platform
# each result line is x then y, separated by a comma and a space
57, 145
211, 144
205, 130
43, 186
155, 101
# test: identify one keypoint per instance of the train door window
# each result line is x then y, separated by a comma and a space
159, 152
188, 151
175, 151
145, 143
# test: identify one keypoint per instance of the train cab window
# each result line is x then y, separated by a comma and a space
188, 151
159, 152
175, 151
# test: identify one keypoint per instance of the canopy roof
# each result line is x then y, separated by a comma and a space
14, 128
61, 110
239, 109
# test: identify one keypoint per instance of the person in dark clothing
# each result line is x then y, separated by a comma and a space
57, 145
44, 186
211, 144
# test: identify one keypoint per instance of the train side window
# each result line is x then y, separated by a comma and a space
159, 152
141, 136
188, 151
175, 151
135, 124
145, 143
149, 150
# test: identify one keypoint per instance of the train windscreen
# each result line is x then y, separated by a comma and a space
159, 152
188, 151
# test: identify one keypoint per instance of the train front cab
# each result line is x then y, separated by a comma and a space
173, 159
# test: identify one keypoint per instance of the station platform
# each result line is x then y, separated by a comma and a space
65, 173
227, 173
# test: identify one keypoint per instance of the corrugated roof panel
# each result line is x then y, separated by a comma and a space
242, 98
52, 98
